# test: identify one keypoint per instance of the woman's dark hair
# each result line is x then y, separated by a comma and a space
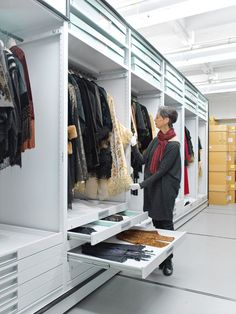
168, 112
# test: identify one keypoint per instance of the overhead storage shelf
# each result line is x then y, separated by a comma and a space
18, 17
101, 19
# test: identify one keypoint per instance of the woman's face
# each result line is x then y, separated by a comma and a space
160, 121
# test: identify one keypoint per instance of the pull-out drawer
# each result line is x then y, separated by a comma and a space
174, 77
191, 94
143, 53
202, 103
8, 272
173, 91
144, 71
8, 298
10, 308
106, 229
8, 259
202, 113
143, 268
190, 105
101, 18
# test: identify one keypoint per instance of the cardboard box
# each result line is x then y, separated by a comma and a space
232, 184
221, 161
219, 128
232, 197
219, 198
212, 121
219, 181
219, 141
232, 138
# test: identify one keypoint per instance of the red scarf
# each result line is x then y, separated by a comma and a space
161, 146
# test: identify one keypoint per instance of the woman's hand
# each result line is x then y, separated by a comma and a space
133, 140
135, 186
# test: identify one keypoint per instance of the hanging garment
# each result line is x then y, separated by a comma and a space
186, 163
190, 145
152, 238
125, 134
120, 179
117, 252
28, 118
199, 158
148, 133
89, 135
77, 167
161, 188
142, 125
7, 113
154, 130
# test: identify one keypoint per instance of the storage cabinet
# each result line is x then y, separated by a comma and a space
40, 252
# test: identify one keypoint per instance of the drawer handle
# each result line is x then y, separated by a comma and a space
126, 225
6, 286
11, 273
11, 260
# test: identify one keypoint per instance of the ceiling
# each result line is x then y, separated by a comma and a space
197, 36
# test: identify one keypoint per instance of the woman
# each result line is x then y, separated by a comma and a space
162, 175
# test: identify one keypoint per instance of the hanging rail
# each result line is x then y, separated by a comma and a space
3, 31
80, 72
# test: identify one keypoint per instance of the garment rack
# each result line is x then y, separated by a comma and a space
3, 31
81, 73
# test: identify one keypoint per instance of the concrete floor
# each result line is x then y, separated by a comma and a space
203, 281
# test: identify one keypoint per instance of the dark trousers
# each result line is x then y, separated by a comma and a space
168, 225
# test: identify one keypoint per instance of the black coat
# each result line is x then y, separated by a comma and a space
162, 187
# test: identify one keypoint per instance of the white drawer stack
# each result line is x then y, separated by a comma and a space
30, 273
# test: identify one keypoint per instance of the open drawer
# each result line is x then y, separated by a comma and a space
141, 268
106, 229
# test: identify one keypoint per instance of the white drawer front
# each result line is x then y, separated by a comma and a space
8, 272
8, 284
174, 77
144, 71
7, 299
97, 15
173, 91
31, 285
142, 268
11, 308
39, 269
106, 229
140, 49
40, 292
38, 258
190, 106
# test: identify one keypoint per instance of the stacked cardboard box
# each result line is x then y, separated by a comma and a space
222, 161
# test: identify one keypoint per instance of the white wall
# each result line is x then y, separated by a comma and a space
222, 105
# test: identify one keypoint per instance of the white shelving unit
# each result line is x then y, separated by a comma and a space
40, 258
